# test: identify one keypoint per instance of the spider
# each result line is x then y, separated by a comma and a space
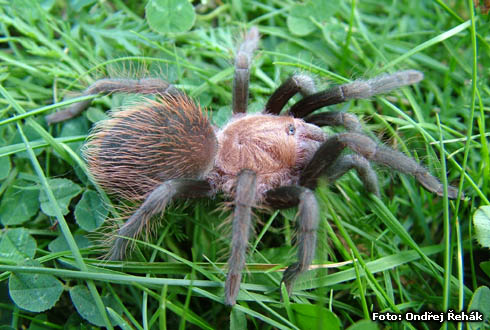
166, 149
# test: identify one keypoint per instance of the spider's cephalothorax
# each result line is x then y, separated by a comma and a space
167, 149
275, 148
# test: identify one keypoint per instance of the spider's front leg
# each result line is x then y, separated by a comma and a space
298, 83
155, 203
303, 84
307, 218
325, 162
335, 118
359, 89
242, 224
362, 166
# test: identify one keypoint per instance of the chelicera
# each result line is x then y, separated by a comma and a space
166, 149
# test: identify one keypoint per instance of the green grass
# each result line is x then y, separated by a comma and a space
413, 251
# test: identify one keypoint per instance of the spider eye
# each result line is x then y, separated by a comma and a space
291, 129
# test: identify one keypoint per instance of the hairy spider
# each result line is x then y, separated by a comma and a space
166, 149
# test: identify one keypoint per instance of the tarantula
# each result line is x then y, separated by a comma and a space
161, 150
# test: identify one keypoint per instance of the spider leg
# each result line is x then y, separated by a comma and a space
155, 203
242, 223
308, 216
335, 118
345, 163
298, 83
242, 70
358, 89
361, 144
354, 161
107, 86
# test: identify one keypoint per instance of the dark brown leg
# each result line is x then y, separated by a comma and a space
107, 86
353, 161
308, 217
359, 89
361, 144
241, 79
242, 224
155, 203
333, 118
299, 83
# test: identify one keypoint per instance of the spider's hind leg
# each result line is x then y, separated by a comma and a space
307, 218
155, 203
114, 85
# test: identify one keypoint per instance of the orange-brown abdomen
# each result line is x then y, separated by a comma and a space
138, 148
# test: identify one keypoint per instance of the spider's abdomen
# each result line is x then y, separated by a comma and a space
138, 148
274, 147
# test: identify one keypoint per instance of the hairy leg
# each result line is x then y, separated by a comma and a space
308, 216
155, 203
241, 79
359, 89
361, 144
242, 224
298, 83
334, 118
354, 161
107, 86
